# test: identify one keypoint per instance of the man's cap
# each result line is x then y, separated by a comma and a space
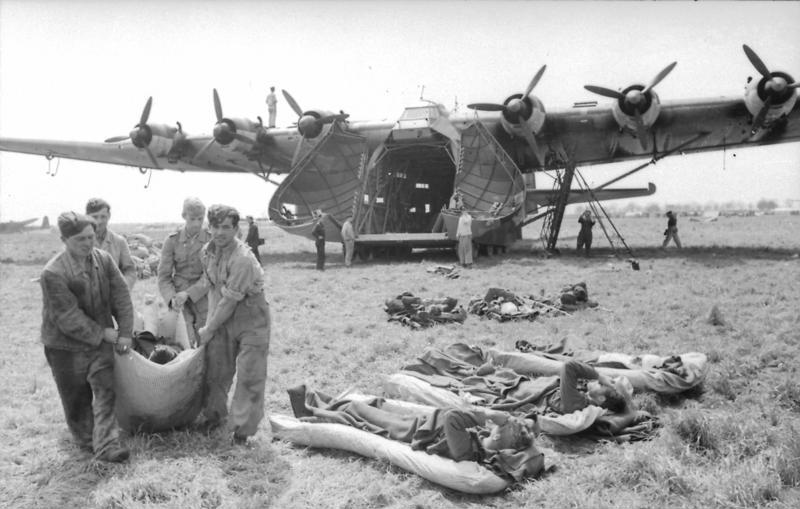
217, 214
71, 223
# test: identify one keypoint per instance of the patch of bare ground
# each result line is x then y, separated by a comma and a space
733, 443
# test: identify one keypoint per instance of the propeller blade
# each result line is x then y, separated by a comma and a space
117, 139
203, 149
296, 155
152, 158
641, 131
241, 137
146, 111
660, 76
757, 63
486, 107
758, 121
217, 106
531, 139
796, 84
295, 107
534, 81
605, 92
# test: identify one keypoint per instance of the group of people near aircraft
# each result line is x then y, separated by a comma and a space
216, 281
211, 276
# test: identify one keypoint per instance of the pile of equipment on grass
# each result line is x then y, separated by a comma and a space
145, 254
504, 305
448, 271
419, 313
159, 383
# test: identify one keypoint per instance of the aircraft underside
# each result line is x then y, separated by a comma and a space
400, 194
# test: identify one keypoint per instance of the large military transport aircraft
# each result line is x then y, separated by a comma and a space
21, 226
397, 178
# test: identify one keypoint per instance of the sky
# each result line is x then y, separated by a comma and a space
83, 70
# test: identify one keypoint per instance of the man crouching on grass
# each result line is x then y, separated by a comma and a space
236, 333
82, 289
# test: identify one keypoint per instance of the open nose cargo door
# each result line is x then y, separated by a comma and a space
492, 187
326, 178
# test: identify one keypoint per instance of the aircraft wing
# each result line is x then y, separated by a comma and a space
593, 136
199, 154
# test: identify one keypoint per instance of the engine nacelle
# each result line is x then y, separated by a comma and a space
625, 112
226, 130
782, 102
143, 135
526, 113
310, 124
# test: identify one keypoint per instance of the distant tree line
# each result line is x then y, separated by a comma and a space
765, 205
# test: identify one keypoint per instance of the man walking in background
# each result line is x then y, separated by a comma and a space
237, 331
83, 292
272, 106
180, 267
672, 231
252, 239
110, 242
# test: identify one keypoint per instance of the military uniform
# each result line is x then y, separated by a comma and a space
585, 234
116, 245
180, 269
318, 232
79, 301
240, 342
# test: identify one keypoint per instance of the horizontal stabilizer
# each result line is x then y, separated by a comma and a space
543, 197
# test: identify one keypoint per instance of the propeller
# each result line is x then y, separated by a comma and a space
309, 123
777, 86
141, 135
635, 101
224, 130
517, 108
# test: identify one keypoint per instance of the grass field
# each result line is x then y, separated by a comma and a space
735, 443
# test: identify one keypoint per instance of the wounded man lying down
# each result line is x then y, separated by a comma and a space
495, 439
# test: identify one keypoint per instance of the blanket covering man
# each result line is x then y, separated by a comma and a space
503, 443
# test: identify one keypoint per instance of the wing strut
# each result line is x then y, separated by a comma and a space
597, 208
655, 159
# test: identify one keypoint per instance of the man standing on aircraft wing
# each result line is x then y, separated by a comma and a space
272, 106
672, 231
180, 267
237, 331
83, 292
110, 242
